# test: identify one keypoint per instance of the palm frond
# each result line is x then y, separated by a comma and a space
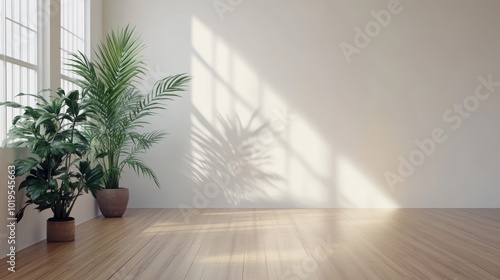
146, 141
141, 168
162, 91
119, 60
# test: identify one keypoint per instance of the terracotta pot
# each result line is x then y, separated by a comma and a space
60, 231
113, 202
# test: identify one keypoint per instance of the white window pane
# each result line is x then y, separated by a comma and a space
72, 34
33, 48
64, 35
16, 10
23, 17
9, 89
2, 83
68, 86
8, 36
15, 80
18, 41
8, 8
24, 82
24, 44
32, 85
8, 81
32, 15
2, 21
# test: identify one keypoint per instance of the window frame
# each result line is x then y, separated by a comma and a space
48, 67
7, 114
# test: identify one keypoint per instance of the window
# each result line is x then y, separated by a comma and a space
18, 56
21, 23
72, 37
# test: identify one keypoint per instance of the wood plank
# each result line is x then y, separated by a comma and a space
273, 244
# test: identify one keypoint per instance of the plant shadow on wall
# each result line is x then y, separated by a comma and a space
230, 157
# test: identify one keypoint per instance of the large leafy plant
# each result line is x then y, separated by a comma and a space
119, 107
58, 169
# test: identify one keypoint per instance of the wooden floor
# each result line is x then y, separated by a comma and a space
274, 244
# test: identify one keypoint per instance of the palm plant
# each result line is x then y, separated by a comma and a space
109, 83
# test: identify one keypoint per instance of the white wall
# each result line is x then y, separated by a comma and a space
346, 124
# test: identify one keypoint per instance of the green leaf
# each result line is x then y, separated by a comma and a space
39, 97
71, 101
16, 119
29, 181
36, 190
60, 92
56, 105
11, 104
59, 147
24, 166
43, 119
20, 213
43, 206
